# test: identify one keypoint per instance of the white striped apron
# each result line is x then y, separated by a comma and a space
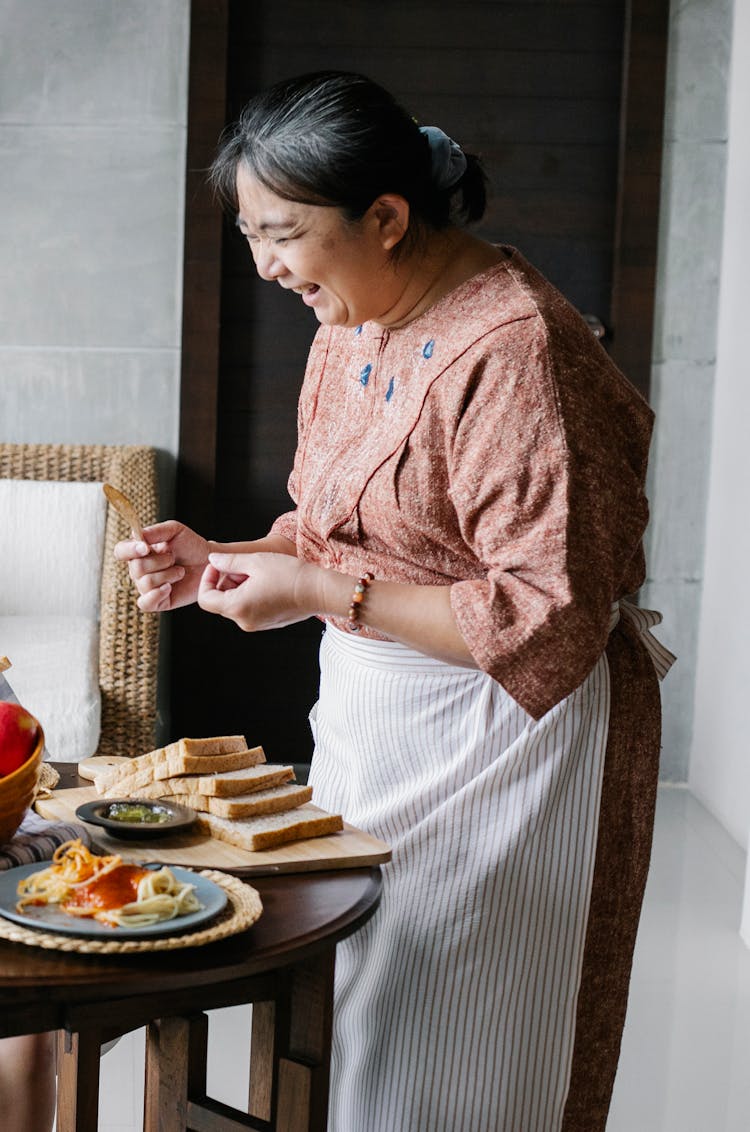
455, 1005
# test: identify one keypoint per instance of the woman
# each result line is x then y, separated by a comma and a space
469, 512
27, 1083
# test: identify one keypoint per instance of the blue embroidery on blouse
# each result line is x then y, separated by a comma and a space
428, 348
358, 329
389, 390
364, 375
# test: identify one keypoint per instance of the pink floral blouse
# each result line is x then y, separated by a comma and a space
490, 445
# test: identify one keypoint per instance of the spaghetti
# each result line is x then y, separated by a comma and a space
106, 889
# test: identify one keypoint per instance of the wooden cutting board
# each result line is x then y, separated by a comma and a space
349, 849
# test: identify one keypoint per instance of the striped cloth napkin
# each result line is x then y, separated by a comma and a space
36, 840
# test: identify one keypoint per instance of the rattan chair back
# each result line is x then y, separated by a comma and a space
128, 639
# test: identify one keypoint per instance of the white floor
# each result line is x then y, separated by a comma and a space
685, 1064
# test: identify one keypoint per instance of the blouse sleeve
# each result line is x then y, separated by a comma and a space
547, 471
286, 525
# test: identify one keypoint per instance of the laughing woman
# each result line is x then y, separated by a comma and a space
27, 1083
469, 510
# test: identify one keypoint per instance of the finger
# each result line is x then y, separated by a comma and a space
156, 601
230, 581
162, 532
142, 567
129, 549
232, 564
214, 590
155, 538
159, 578
209, 597
210, 579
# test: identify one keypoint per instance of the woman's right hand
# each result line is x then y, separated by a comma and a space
166, 567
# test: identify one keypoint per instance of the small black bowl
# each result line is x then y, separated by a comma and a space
177, 819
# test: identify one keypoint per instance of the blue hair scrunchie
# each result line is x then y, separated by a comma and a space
448, 159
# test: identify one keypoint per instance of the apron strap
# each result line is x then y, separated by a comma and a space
642, 621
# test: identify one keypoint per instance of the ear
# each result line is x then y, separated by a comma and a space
390, 212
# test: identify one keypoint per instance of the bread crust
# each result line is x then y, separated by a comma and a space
270, 830
182, 757
277, 799
244, 780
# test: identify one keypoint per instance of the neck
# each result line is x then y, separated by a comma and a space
447, 261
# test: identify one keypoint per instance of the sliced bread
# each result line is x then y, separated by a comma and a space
186, 756
275, 800
268, 830
226, 783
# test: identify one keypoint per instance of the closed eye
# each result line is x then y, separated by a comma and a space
275, 239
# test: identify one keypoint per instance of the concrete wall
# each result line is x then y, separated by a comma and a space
685, 345
93, 104
720, 762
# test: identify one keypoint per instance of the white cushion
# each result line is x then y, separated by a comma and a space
51, 547
55, 675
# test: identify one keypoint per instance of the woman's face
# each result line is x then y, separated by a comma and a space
341, 269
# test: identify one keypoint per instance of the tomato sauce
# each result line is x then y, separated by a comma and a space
117, 887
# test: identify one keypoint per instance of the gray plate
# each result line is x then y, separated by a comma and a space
50, 918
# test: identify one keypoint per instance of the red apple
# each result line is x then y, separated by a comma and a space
18, 735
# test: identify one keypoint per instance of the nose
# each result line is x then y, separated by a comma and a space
267, 263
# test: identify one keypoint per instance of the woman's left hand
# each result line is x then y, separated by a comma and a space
259, 591
263, 590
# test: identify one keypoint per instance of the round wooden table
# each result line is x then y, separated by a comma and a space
284, 964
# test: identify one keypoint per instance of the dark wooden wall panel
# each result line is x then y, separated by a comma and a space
533, 87
639, 188
202, 264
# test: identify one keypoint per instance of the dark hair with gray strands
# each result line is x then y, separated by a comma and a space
338, 139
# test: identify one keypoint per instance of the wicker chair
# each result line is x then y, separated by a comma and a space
128, 639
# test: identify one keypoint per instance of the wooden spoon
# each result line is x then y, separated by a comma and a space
124, 508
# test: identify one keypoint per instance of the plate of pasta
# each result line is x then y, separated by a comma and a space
83, 894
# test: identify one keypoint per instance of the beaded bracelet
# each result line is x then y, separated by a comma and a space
357, 598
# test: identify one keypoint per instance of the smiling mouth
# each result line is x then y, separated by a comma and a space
308, 289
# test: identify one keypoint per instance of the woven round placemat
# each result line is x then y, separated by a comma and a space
242, 910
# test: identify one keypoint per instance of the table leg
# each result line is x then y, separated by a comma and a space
304, 1065
166, 1084
262, 1060
78, 1080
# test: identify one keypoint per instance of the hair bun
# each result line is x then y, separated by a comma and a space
448, 159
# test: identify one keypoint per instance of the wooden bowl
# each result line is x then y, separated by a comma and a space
17, 791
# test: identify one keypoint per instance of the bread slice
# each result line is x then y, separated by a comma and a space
223, 784
227, 783
275, 800
125, 785
186, 756
268, 830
